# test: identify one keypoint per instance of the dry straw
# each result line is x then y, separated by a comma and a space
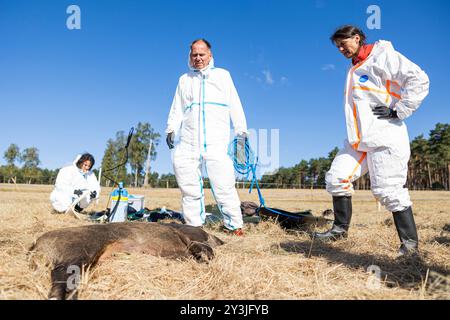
267, 263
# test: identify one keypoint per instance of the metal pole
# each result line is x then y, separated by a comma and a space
147, 165
99, 182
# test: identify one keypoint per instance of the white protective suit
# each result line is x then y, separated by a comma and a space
379, 146
69, 179
205, 101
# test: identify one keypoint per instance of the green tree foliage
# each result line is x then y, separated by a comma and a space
30, 158
108, 162
167, 181
12, 154
430, 160
305, 174
115, 154
301, 171
48, 176
419, 173
429, 166
153, 179
139, 149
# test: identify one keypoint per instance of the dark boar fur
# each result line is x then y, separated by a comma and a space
86, 245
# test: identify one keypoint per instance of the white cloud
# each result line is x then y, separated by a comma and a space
328, 67
268, 77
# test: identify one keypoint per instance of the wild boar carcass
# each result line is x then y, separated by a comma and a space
86, 245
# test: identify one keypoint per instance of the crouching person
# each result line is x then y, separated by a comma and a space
75, 181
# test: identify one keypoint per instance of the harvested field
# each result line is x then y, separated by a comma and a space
267, 263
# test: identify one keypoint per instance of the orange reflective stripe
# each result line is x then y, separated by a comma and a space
350, 177
357, 165
388, 88
368, 89
355, 121
364, 88
388, 92
358, 134
353, 70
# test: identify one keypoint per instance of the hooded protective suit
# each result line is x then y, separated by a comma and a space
69, 179
204, 103
379, 146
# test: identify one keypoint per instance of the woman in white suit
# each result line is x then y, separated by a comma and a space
74, 181
383, 88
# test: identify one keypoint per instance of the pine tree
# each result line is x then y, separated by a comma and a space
139, 149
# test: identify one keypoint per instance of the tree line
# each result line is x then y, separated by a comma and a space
141, 151
429, 165
29, 172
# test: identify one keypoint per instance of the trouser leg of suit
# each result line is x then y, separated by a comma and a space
388, 173
85, 202
388, 168
187, 167
347, 166
221, 175
60, 201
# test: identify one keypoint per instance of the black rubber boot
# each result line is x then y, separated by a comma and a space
78, 208
407, 232
342, 207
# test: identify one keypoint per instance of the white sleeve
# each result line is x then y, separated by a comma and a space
176, 112
64, 181
93, 184
236, 110
413, 81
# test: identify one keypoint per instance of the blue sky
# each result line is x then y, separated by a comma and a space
69, 91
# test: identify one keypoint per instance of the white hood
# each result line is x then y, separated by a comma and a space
76, 160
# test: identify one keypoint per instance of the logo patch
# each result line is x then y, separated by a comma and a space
363, 78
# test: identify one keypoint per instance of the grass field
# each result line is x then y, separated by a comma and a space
267, 263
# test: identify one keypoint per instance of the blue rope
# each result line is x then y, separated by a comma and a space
245, 163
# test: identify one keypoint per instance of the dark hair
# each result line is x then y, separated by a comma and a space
85, 157
203, 40
346, 32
